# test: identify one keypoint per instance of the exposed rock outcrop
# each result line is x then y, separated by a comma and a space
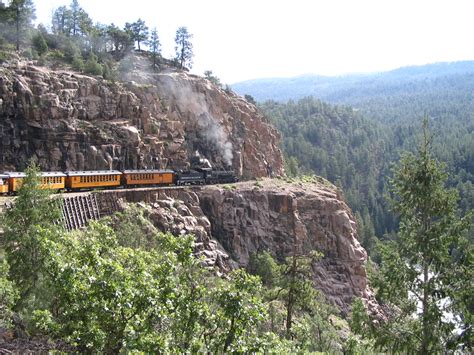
70, 121
178, 212
276, 216
233, 221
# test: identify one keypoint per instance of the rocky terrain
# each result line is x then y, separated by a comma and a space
231, 222
70, 121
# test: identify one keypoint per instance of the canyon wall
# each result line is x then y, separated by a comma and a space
70, 121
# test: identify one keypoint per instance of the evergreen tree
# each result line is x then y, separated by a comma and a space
121, 40
60, 20
75, 17
155, 47
33, 210
22, 13
138, 31
212, 78
428, 269
184, 47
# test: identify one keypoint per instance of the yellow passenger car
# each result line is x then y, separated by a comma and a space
15, 179
92, 179
147, 177
3, 184
53, 180
49, 180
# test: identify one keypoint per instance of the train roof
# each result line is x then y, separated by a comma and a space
19, 174
148, 171
52, 173
93, 173
14, 174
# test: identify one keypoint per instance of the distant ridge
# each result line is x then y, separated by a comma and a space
353, 89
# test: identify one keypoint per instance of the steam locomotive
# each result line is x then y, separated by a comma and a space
10, 182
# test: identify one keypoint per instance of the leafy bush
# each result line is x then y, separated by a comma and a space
8, 296
39, 44
78, 63
92, 66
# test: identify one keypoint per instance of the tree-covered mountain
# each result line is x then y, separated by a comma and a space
356, 152
366, 122
429, 80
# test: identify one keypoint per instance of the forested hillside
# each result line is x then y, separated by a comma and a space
433, 80
356, 152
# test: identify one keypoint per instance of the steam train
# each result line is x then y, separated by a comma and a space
10, 182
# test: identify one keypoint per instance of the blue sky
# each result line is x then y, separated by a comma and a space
247, 39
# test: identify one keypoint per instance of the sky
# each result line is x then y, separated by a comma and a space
250, 39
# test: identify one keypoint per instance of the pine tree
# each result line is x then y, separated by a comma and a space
22, 13
184, 47
138, 31
427, 270
32, 211
155, 47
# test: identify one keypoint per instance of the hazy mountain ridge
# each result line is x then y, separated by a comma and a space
357, 88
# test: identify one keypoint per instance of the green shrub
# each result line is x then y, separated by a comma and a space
39, 44
78, 63
92, 66
8, 295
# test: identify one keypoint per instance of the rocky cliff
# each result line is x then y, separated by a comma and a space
70, 121
231, 222
280, 217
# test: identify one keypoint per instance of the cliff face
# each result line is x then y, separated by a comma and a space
70, 121
233, 221
281, 217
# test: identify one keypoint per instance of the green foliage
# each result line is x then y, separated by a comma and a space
78, 63
92, 66
296, 311
120, 285
343, 147
184, 48
155, 48
8, 296
250, 99
121, 40
33, 210
291, 167
238, 313
19, 15
212, 78
109, 294
427, 269
263, 265
39, 44
138, 31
